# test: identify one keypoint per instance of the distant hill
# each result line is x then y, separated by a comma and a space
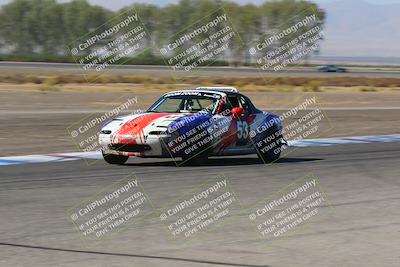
356, 28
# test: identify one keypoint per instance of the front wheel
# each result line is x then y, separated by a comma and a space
115, 159
269, 150
270, 156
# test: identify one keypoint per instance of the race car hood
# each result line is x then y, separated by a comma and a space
136, 128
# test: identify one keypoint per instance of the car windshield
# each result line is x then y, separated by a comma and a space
186, 103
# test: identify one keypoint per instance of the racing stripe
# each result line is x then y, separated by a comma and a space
135, 128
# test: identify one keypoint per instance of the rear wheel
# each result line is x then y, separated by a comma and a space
115, 159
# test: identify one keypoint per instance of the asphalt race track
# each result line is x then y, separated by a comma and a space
67, 68
359, 225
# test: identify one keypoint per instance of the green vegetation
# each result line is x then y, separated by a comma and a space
40, 30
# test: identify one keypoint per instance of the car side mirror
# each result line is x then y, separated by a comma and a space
237, 112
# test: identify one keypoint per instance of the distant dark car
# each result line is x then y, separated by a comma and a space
331, 68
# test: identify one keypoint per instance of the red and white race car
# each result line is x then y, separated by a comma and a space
194, 125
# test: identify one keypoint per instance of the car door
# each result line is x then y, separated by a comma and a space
242, 123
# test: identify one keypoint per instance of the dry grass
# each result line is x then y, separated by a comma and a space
312, 86
310, 83
163, 88
368, 89
130, 83
50, 84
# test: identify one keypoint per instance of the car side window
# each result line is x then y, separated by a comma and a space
233, 102
229, 103
236, 101
245, 105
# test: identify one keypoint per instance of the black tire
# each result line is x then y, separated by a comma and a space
115, 159
269, 155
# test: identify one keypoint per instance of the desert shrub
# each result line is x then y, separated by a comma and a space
52, 80
33, 79
312, 86
139, 79
368, 89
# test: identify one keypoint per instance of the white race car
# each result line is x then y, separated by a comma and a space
194, 125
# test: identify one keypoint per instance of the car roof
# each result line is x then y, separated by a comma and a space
219, 89
196, 91
212, 90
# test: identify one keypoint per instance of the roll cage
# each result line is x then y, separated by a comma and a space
227, 100
233, 100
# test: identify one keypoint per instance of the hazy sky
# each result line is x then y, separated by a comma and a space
163, 2
116, 4
351, 27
